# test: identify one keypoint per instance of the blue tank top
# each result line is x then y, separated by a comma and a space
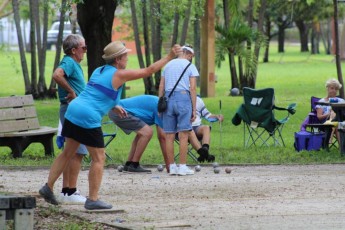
92, 104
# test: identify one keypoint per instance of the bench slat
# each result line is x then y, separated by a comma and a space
17, 113
16, 101
41, 131
19, 125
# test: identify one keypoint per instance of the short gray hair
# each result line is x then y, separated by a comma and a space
333, 82
70, 42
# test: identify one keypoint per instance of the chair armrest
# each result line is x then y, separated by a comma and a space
211, 119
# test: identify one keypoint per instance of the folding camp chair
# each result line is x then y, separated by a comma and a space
258, 116
189, 151
316, 126
190, 147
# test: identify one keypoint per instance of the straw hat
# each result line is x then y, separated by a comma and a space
114, 49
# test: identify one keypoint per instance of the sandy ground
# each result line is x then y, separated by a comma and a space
251, 197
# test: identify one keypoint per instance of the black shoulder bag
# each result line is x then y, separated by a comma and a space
163, 101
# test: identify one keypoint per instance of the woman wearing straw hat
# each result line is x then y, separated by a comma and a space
84, 114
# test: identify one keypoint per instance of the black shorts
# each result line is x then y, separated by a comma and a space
89, 137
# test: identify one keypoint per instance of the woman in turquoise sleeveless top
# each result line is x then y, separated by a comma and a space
84, 115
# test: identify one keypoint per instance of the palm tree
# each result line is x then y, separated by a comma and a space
234, 40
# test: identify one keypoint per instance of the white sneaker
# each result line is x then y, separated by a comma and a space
75, 198
61, 198
173, 169
184, 170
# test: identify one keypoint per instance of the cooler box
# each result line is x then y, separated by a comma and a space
308, 141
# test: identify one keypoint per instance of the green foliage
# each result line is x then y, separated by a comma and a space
165, 14
235, 40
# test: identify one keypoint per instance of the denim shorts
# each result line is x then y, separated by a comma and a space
178, 115
82, 150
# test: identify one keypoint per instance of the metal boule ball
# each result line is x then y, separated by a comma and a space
197, 168
215, 164
216, 170
160, 168
120, 168
228, 170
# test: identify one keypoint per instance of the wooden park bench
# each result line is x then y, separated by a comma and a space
19, 126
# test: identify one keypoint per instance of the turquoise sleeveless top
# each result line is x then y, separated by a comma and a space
95, 101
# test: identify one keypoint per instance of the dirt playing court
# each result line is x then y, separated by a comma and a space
251, 197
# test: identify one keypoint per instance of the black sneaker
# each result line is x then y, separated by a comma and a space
48, 195
98, 204
203, 152
138, 169
211, 158
125, 168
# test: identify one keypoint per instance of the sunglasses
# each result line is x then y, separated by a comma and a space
83, 47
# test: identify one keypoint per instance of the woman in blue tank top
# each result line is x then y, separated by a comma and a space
84, 115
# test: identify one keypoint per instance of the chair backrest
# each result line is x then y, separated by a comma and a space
313, 101
258, 107
259, 98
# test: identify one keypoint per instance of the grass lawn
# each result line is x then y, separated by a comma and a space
295, 77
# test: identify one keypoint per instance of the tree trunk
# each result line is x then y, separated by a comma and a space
95, 18
268, 35
233, 72
281, 35
41, 51
326, 37
337, 50
136, 35
149, 89
315, 38
52, 86
175, 30
250, 13
33, 15
303, 33
185, 23
15, 5
260, 28
196, 40
242, 77
232, 64
156, 39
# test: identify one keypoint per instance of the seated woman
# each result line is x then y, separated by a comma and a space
324, 112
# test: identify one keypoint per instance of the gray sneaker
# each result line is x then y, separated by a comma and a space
48, 195
138, 169
91, 205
